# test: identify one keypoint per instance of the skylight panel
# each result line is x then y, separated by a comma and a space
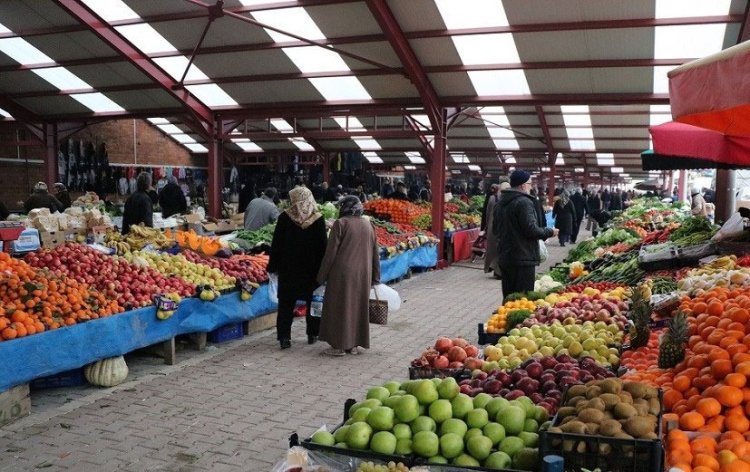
295, 20
282, 125
62, 78
474, 14
415, 158
688, 41
499, 82
146, 38
97, 102
246, 145
22, 52
605, 159
175, 66
112, 10
366, 142
616, 170
182, 138
460, 158
301, 144
475, 168
170, 129
372, 158
499, 132
311, 59
340, 88
486, 49
658, 118
195, 147
510, 144
212, 95
560, 160
423, 122
686, 8
4, 30
158, 121
582, 144
353, 123
4, 113
661, 81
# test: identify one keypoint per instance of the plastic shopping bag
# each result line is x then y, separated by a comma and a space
386, 293
543, 253
316, 306
273, 288
733, 228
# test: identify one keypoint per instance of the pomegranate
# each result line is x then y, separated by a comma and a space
471, 351
456, 354
460, 342
443, 345
441, 362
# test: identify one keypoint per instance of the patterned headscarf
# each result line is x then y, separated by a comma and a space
350, 206
564, 198
302, 210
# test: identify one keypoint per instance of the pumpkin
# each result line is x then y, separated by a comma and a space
107, 372
210, 246
193, 240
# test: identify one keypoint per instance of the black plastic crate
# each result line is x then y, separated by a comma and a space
581, 451
434, 373
487, 338
69, 378
226, 333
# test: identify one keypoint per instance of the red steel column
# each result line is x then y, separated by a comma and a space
437, 176
215, 174
50, 161
551, 186
682, 186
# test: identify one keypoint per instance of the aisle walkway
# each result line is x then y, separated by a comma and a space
233, 408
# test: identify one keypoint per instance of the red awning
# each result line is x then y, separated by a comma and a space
714, 92
686, 141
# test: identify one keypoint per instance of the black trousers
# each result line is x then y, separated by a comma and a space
517, 279
285, 316
576, 229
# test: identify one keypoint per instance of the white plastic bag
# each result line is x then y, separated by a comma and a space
733, 228
543, 253
387, 294
273, 288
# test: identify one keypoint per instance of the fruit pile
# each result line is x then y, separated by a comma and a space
179, 266
450, 354
394, 238
433, 421
239, 266
498, 322
130, 285
581, 309
396, 211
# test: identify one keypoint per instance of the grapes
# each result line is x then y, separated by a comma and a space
390, 467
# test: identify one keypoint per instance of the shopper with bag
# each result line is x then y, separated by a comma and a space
297, 249
351, 266
516, 226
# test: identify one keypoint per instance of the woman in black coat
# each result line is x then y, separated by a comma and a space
565, 215
299, 243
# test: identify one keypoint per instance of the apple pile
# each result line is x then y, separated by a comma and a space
449, 353
582, 308
543, 380
432, 420
132, 286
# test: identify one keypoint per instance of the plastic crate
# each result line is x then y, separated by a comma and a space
69, 378
226, 333
487, 338
584, 451
433, 373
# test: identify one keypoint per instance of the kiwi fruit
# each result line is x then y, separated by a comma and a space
609, 400
591, 415
593, 392
592, 428
608, 415
641, 408
597, 403
575, 401
576, 391
636, 389
640, 426
609, 428
625, 397
575, 426
566, 411
624, 411
611, 386
568, 419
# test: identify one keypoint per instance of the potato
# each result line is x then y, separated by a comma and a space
597, 403
605, 449
592, 428
654, 406
641, 408
626, 397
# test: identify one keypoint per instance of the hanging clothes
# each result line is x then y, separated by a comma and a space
133, 186
122, 186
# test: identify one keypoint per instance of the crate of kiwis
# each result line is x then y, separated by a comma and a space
609, 424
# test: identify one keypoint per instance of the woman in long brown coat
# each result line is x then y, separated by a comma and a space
350, 268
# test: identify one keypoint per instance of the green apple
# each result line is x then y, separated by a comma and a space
481, 400
477, 418
479, 447
426, 444
383, 442
423, 423
380, 393
358, 436
451, 445
325, 438
462, 404
455, 426
381, 418
440, 410
494, 431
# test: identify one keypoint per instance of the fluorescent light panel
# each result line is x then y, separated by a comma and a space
474, 168
460, 158
4, 113
196, 147
685, 8
688, 41
97, 102
246, 145
473, 14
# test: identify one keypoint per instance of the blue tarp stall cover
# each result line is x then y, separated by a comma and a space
398, 266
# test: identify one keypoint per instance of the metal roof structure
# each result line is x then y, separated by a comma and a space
566, 86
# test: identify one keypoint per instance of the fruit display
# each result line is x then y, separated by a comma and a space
203, 244
138, 237
431, 422
394, 238
239, 266
389, 467
498, 322
130, 285
179, 266
450, 353
396, 211
542, 379
581, 308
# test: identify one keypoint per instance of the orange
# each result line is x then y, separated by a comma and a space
735, 380
729, 396
708, 407
737, 423
691, 421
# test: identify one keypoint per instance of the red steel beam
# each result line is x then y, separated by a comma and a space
414, 71
117, 42
380, 133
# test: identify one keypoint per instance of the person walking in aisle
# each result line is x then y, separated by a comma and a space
565, 216
593, 204
515, 224
261, 211
350, 268
490, 253
615, 203
297, 248
492, 192
606, 199
171, 199
579, 203
138, 207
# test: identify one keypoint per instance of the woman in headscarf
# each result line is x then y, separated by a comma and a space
299, 242
565, 214
490, 253
350, 268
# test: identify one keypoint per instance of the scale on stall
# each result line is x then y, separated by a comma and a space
9, 232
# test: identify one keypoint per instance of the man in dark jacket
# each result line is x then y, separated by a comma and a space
579, 203
615, 203
62, 195
171, 199
426, 193
517, 229
42, 199
138, 207
399, 193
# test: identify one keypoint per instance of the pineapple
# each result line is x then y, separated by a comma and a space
640, 314
672, 345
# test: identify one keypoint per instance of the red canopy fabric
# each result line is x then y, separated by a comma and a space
714, 92
679, 139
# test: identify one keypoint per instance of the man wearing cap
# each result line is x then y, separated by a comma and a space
42, 199
518, 233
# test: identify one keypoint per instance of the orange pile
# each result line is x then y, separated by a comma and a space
398, 211
726, 452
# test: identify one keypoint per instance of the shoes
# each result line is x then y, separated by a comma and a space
354, 351
312, 339
285, 343
497, 276
333, 352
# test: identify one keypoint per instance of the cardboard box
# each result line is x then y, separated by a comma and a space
51, 239
100, 232
14, 404
193, 219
